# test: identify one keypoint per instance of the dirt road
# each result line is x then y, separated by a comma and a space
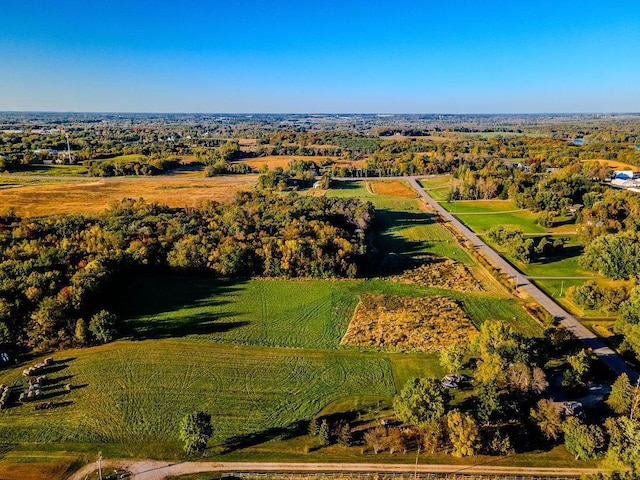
154, 470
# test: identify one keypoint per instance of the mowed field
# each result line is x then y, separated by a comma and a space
261, 356
402, 223
481, 215
92, 196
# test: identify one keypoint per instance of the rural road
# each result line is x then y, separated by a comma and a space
157, 470
590, 340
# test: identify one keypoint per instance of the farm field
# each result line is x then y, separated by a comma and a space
274, 161
132, 393
278, 313
616, 165
402, 223
95, 195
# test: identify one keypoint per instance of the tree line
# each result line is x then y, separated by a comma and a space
54, 271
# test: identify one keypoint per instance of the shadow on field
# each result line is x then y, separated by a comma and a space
347, 185
201, 324
256, 438
395, 252
566, 252
150, 294
386, 224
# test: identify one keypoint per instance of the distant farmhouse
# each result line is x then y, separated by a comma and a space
626, 179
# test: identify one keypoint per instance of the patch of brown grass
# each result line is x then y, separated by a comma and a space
35, 470
407, 323
615, 165
95, 195
394, 188
440, 273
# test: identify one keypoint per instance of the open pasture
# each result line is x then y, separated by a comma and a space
92, 196
615, 165
274, 161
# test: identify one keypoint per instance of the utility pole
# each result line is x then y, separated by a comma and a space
561, 287
100, 465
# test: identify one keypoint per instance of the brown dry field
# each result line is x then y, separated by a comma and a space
396, 188
93, 196
35, 471
407, 323
274, 161
447, 274
615, 165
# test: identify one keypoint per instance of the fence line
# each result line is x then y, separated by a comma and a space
395, 475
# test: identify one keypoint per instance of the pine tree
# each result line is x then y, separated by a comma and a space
345, 438
324, 433
314, 427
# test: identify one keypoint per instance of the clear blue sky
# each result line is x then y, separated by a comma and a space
446, 56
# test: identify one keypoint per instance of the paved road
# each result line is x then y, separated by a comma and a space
156, 470
608, 356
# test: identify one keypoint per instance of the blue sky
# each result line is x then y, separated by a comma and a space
451, 56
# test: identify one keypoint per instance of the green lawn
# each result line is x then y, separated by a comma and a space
480, 223
480, 206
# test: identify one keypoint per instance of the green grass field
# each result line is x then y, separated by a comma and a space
261, 356
402, 226
53, 170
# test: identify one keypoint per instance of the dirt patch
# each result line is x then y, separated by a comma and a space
395, 188
407, 323
440, 273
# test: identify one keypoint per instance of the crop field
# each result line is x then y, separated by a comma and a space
274, 161
394, 188
92, 196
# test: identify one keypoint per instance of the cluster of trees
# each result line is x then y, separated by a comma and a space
524, 249
54, 271
507, 412
138, 165
593, 296
615, 255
